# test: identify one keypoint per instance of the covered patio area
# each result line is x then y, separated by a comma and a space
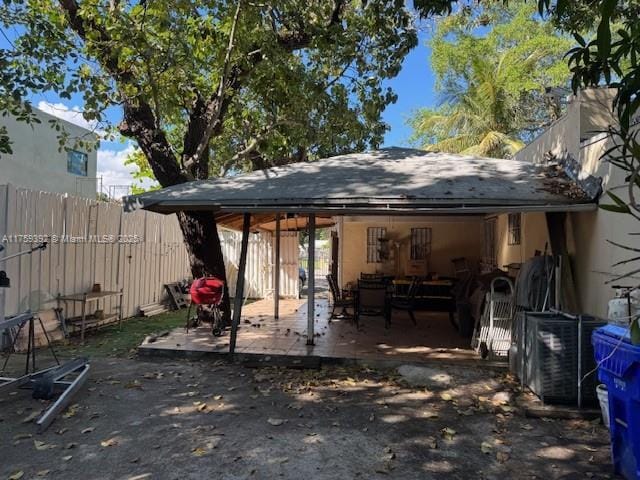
360, 188
336, 340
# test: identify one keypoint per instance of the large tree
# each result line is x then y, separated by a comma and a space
212, 84
492, 64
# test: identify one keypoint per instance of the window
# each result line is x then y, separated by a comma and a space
375, 236
420, 243
514, 228
489, 257
77, 163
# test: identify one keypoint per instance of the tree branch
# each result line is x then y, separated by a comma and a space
215, 105
290, 40
254, 142
139, 120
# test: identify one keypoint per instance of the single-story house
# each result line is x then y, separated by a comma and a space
395, 211
406, 213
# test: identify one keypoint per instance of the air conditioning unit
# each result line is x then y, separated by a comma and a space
551, 352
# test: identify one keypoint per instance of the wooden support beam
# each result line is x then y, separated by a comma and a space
223, 218
256, 220
311, 281
276, 272
237, 301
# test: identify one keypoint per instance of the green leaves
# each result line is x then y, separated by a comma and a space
491, 84
309, 74
604, 29
619, 206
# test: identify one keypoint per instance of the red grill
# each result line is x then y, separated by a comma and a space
207, 291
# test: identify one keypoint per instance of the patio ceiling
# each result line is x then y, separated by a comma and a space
392, 181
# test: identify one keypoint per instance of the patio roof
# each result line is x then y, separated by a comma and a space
390, 181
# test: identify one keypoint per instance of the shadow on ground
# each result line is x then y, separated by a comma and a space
194, 420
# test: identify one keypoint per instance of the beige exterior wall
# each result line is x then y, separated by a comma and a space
594, 256
588, 112
534, 235
38, 164
451, 237
588, 232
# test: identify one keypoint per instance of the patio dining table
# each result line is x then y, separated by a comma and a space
433, 295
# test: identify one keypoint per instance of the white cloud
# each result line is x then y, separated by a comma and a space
116, 176
70, 114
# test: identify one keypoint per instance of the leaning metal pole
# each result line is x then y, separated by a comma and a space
311, 290
237, 301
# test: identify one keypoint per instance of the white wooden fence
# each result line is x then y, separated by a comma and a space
95, 242
88, 242
260, 263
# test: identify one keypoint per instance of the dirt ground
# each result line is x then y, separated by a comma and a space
176, 419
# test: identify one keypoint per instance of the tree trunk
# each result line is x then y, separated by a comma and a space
140, 123
205, 254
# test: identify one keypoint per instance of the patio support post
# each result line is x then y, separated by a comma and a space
276, 272
311, 282
239, 295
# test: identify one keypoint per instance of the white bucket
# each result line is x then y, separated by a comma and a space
603, 398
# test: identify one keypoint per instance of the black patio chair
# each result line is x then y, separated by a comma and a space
407, 303
340, 299
373, 301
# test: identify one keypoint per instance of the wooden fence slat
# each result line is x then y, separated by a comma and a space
140, 269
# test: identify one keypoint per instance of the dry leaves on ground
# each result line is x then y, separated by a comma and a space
40, 445
111, 442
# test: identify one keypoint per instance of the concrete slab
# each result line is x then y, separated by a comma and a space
336, 341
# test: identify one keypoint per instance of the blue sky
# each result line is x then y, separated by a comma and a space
414, 86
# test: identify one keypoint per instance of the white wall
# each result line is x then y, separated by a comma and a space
533, 236
38, 164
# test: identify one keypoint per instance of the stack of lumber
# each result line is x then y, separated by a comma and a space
152, 309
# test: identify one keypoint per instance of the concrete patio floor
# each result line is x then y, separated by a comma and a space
260, 334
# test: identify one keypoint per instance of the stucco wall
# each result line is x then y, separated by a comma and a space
534, 235
37, 163
588, 113
451, 237
594, 257
588, 232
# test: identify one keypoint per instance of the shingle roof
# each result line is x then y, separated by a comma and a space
392, 179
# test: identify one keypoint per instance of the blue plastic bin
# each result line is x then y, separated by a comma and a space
620, 372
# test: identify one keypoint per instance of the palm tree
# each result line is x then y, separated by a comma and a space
481, 114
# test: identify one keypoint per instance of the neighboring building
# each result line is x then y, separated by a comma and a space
577, 134
38, 163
